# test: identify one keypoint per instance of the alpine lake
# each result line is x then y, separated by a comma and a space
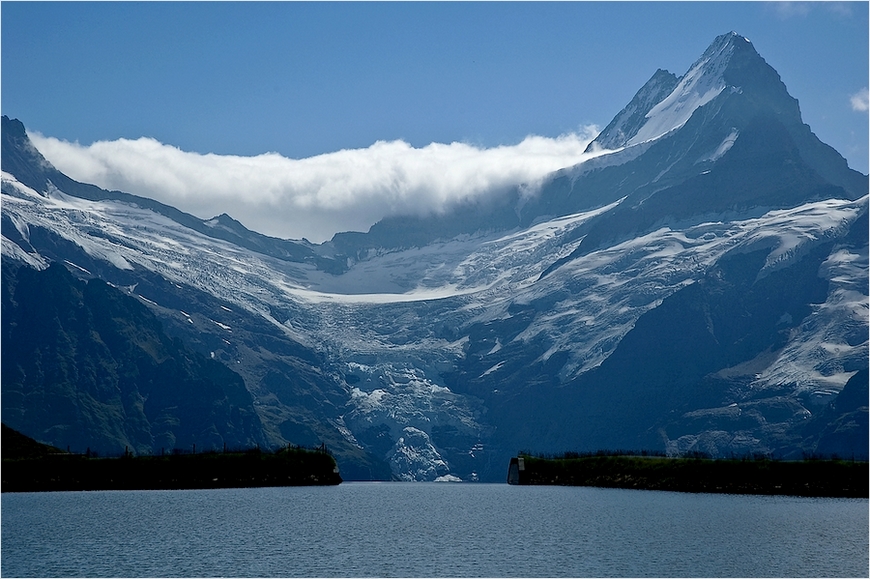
430, 530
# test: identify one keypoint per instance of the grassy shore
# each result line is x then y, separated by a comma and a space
816, 478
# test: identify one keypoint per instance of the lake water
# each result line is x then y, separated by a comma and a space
429, 529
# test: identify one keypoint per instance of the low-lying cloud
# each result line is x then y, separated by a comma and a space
315, 197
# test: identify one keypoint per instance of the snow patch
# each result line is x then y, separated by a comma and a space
493, 369
11, 250
723, 148
147, 301
78, 267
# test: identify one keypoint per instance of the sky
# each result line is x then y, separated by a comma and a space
305, 119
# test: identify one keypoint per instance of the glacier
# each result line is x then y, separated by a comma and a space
387, 337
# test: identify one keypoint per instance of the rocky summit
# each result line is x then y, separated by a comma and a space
699, 285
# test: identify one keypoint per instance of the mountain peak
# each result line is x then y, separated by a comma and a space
703, 82
13, 127
665, 102
20, 157
722, 52
731, 39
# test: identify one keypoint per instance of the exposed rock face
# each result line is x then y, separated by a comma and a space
89, 367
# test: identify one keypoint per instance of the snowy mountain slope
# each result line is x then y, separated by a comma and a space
701, 287
727, 138
704, 81
402, 348
32, 169
625, 125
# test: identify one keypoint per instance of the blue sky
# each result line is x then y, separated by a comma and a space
307, 79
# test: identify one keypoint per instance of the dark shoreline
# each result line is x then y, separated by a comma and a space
252, 468
806, 478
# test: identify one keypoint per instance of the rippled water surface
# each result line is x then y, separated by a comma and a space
429, 529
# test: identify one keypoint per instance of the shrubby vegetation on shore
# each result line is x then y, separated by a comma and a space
29, 466
652, 471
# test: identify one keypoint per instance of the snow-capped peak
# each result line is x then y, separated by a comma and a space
703, 82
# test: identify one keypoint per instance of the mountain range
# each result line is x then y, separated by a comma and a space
699, 285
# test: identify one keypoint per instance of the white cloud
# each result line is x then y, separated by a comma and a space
801, 9
840, 8
860, 100
790, 9
348, 190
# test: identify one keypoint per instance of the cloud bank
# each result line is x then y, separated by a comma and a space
315, 197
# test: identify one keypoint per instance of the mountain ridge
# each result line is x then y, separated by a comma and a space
734, 247
37, 172
755, 96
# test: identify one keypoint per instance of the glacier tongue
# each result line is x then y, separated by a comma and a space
399, 406
415, 458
